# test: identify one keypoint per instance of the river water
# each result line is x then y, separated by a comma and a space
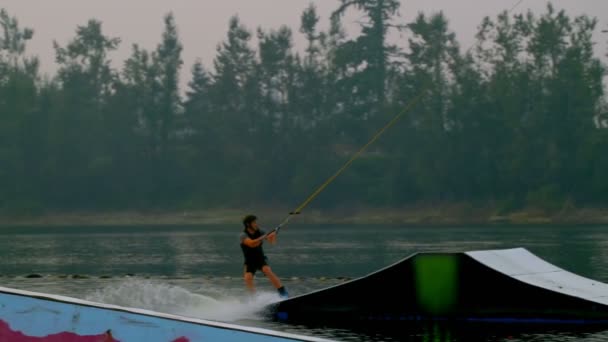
196, 271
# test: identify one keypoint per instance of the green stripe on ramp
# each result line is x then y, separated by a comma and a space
436, 283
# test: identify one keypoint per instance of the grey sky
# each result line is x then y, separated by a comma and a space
203, 23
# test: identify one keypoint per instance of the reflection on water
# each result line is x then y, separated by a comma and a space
196, 271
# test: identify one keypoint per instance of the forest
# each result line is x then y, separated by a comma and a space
517, 120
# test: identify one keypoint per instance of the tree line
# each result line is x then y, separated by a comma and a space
512, 121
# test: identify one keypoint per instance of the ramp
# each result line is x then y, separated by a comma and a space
499, 286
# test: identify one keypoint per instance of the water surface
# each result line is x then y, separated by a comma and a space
196, 270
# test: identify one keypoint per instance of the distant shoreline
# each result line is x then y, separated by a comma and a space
415, 215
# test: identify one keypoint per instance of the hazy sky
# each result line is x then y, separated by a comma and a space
203, 23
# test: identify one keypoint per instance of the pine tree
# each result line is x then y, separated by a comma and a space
78, 148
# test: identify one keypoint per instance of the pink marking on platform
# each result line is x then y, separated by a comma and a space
7, 334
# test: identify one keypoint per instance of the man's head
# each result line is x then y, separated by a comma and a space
250, 221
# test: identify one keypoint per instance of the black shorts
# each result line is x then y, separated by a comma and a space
251, 266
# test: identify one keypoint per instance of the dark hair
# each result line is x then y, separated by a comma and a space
248, 220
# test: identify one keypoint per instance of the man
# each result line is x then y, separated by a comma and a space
252, 239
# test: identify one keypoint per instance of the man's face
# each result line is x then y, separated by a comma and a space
254, 225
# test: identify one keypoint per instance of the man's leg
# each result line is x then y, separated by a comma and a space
276, 282
249, 280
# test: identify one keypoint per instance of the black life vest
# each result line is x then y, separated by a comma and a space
253, 255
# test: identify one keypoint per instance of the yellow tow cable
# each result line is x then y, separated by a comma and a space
375, 137
322, 187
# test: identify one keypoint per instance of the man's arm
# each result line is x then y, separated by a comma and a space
272, 237
249, 242
252, 243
